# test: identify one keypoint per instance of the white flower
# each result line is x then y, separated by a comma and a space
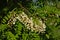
29, 24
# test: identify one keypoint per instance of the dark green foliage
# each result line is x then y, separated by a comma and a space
10, 36
3, 27
46, 10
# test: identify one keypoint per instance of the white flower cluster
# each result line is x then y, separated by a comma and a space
30, 24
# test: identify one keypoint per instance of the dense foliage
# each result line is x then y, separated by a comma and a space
46, 10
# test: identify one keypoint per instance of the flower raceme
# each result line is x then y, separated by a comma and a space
29, 24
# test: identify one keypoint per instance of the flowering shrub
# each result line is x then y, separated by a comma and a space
39, 20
